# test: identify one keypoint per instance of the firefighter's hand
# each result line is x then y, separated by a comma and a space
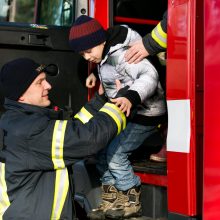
124, 104
90, 81
136, 52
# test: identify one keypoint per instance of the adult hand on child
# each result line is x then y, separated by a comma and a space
136, 52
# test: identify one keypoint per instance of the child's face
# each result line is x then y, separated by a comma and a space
94, 54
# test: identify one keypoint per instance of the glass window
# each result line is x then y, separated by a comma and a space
56, 12
46, 12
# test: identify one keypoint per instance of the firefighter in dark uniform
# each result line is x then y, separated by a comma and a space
151, 44
38, 147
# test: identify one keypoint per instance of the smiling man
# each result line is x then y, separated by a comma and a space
38, 146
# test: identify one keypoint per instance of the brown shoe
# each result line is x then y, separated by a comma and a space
128, 205
109, 197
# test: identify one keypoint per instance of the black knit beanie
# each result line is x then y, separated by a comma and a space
86, 33
17, 75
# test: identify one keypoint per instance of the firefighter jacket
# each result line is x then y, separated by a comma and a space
156, 41
37, 150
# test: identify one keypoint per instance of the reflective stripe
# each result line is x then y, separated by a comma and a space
62, 181
119, 117
83, 115
159, 36
57, 144
61, 189
4, 200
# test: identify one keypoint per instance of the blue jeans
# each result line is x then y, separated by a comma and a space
113, 163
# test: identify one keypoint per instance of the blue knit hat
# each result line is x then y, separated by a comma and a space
86, 33
17, 75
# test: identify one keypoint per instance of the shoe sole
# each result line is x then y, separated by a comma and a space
121, 216
157, 159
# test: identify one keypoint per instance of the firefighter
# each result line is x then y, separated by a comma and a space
151, 44
38, 147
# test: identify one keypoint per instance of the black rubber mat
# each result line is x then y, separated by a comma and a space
151, 167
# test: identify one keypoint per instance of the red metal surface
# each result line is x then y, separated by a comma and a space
101, 12
158, 180
181, 86
135, 20
211, 207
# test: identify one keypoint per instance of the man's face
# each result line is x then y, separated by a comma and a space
95, 54
37, 92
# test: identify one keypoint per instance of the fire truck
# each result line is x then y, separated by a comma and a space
187, 187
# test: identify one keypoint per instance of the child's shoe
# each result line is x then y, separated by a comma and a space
161, 156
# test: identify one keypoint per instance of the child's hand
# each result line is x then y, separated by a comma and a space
124, 104
90, 81
101, 89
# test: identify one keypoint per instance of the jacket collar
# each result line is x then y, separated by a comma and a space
118, 37
115, 35
29, 109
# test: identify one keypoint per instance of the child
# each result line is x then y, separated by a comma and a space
120, 186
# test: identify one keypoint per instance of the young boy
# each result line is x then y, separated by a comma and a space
120, 186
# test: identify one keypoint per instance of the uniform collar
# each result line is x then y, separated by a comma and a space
29, 109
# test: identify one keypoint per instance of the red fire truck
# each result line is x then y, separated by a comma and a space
188, 186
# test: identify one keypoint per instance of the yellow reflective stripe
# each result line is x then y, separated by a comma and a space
83, 115
60, 193
159, 36
113, 116
57, 144
4, 200
116, 114
119, 113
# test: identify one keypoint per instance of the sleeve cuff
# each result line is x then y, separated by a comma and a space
133, 97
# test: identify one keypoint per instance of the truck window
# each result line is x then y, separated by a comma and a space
60, 12
45, 12
141, 15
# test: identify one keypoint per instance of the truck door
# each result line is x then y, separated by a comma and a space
39, 30
184, 93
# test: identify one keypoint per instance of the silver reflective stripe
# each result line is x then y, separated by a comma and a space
57, 144
4, 200
159, 36
60, 193
83, 115
116, 114
62, 181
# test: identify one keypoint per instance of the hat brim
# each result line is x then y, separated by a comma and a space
50, 69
